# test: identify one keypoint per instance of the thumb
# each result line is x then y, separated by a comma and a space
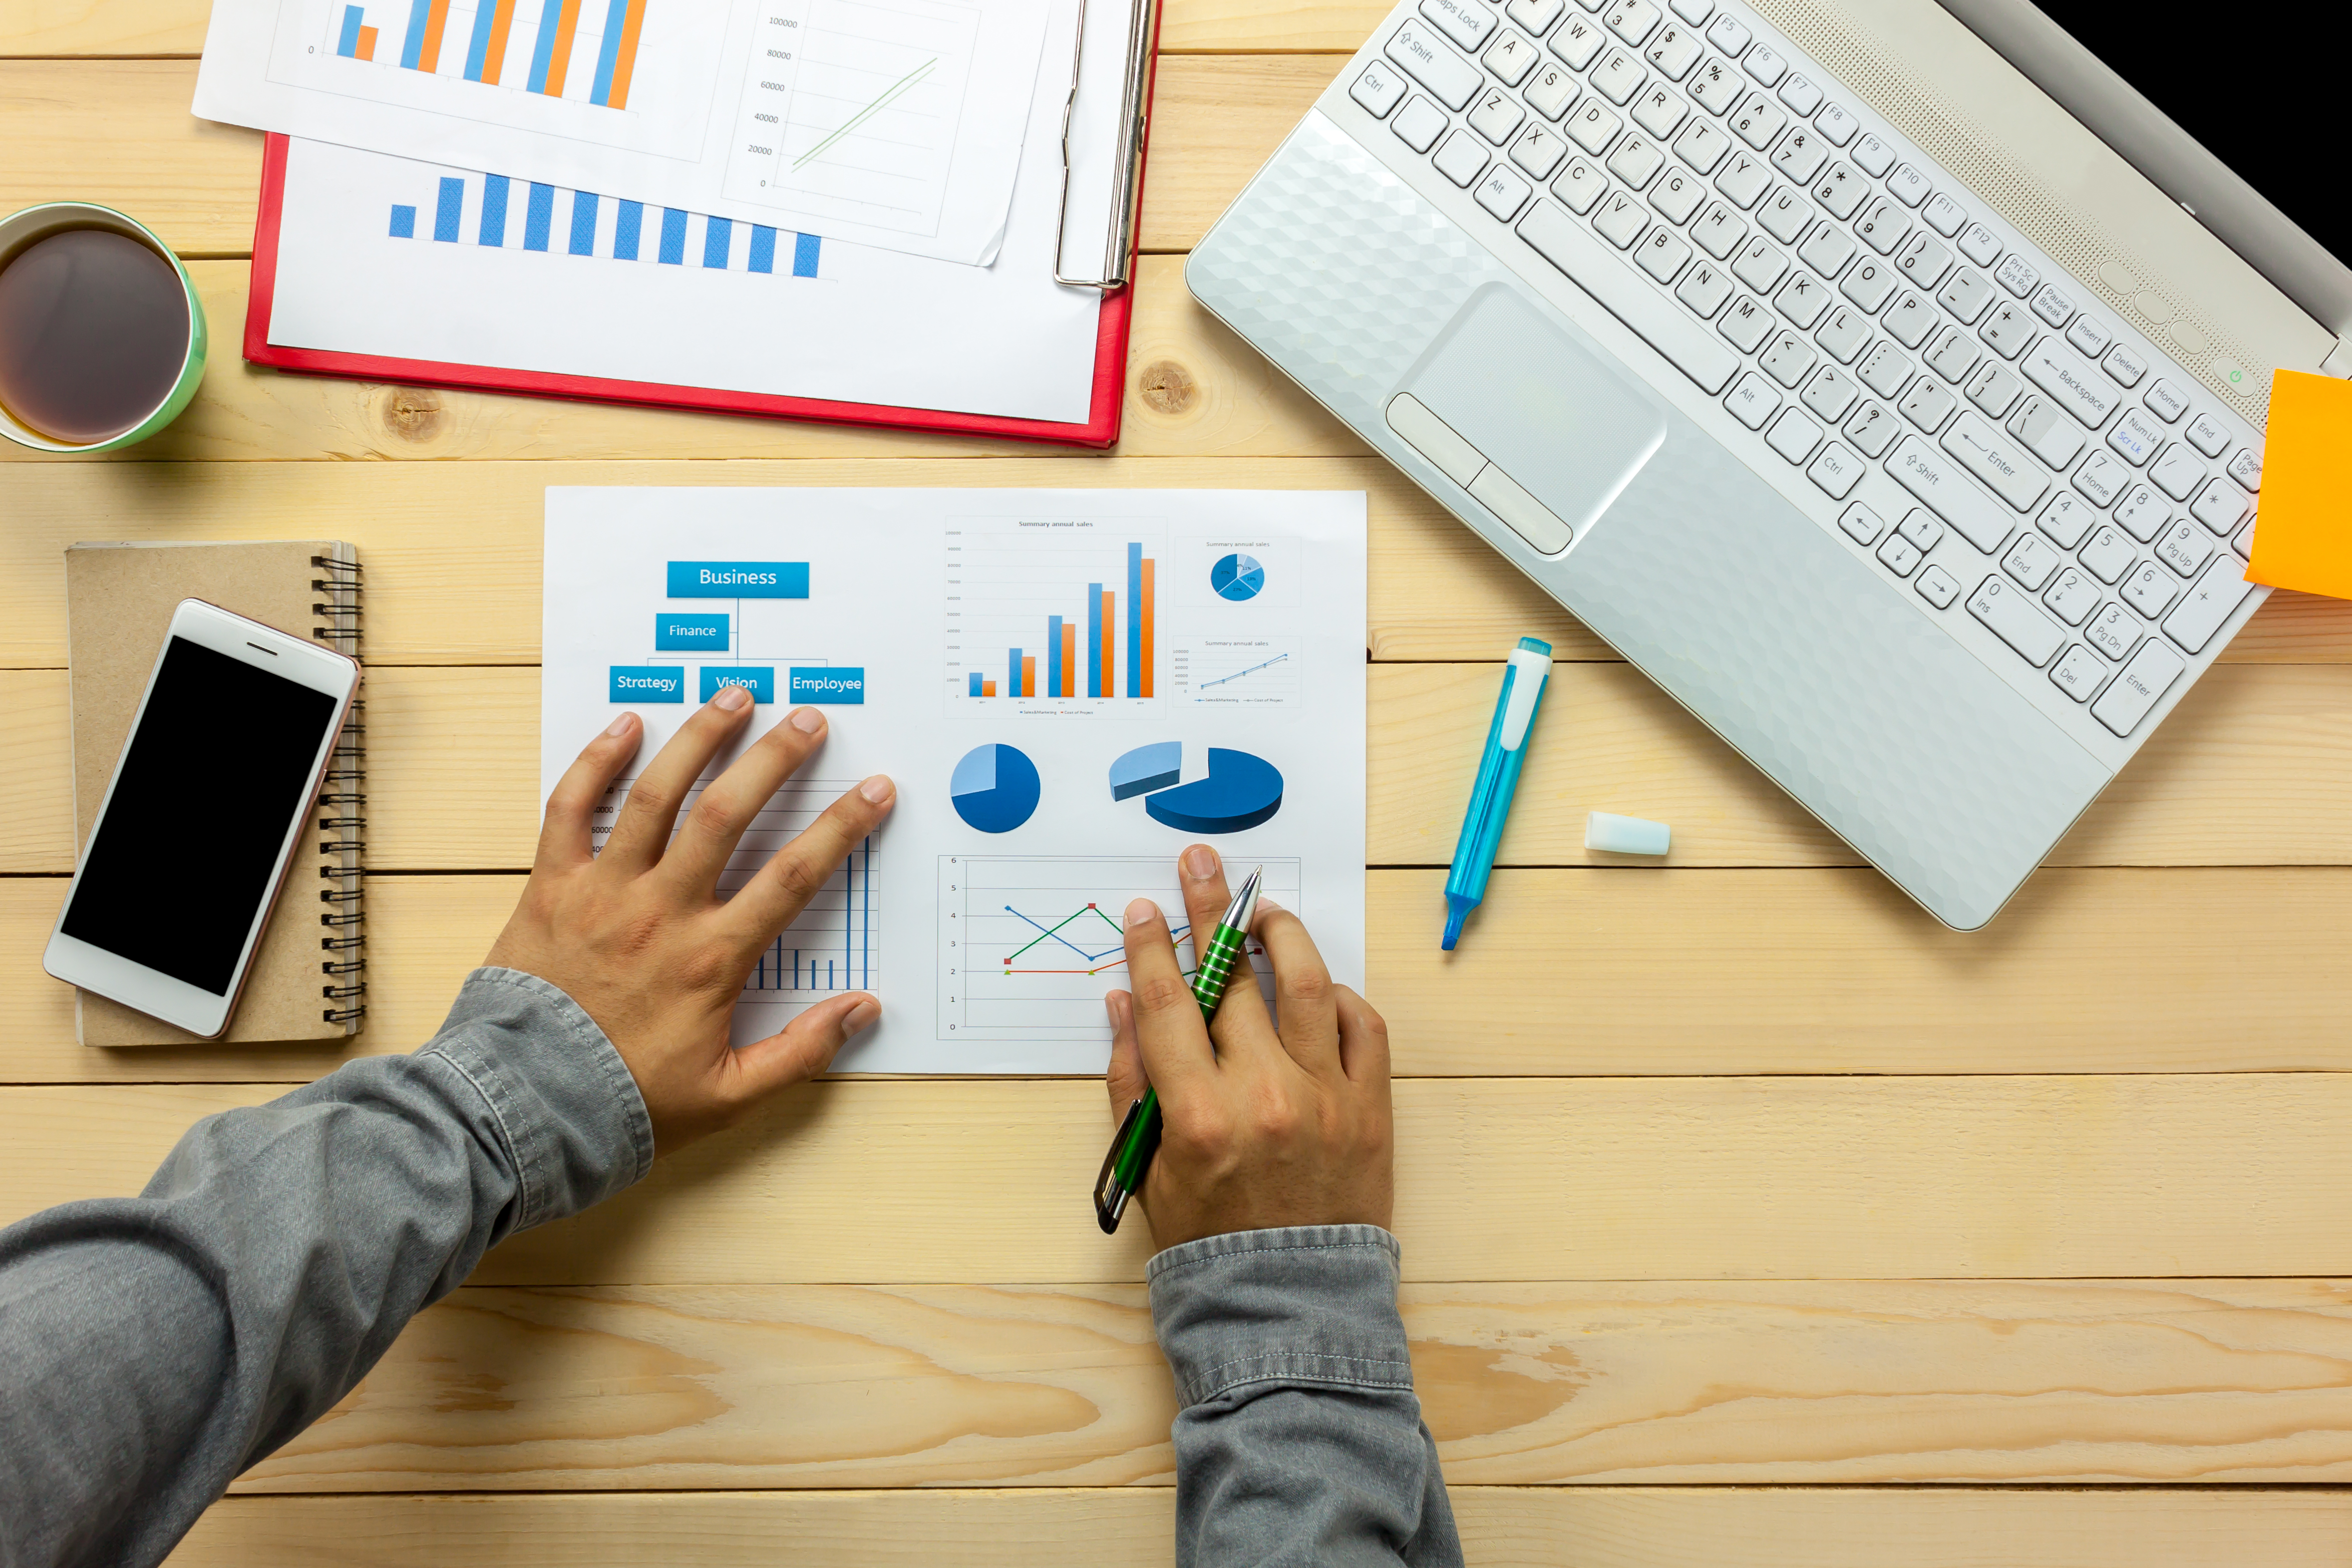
1126, 1078
804, 1048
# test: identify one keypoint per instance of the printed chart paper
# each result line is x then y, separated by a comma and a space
894, 124
1069, 686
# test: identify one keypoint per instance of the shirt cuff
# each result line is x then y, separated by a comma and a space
567, 1108
1310, 1304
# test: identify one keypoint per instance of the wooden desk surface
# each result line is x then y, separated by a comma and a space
1734, 1197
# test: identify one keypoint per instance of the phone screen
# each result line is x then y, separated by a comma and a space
209, 785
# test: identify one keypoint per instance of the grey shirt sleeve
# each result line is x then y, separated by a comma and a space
151, 1348
1299, 1440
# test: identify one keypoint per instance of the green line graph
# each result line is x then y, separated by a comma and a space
890, 94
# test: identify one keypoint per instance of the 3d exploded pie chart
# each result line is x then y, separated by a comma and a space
994, 787
1237, 577
1241, 790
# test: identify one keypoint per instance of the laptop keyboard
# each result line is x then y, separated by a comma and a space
1850, 305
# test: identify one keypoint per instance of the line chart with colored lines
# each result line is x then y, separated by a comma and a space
1028, 944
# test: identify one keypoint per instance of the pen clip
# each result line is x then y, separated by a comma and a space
1110, 1199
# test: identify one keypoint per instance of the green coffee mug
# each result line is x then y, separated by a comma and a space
22, 230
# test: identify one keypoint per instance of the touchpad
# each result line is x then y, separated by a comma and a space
1570, 428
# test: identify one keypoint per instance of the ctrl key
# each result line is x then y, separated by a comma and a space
1378, 88
2130, 695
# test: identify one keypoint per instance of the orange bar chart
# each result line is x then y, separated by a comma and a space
1109, 638
1069, 660
366, 48
436, 19
1144, 660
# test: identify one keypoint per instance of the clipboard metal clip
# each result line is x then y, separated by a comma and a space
1119, 245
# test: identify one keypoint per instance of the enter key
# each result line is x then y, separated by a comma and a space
1996, 460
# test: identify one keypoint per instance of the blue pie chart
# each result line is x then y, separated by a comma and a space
1237, 577
1240, 791
994, 787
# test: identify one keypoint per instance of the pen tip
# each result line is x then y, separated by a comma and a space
1455, 914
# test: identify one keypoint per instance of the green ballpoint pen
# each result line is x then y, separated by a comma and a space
1139, 1136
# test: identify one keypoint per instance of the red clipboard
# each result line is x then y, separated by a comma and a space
1100, 428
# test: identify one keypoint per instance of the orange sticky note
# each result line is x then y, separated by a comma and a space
2304, 538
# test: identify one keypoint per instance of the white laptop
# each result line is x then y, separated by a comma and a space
1885, 379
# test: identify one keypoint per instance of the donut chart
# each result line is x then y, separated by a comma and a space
994, 787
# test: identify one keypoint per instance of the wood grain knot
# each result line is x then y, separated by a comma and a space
412, 413
1168, 387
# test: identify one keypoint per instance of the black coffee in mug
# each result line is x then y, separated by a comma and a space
94, 333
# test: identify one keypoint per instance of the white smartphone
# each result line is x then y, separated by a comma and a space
209, 798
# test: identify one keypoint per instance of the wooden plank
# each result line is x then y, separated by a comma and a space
2248, 772
118, 132
1227, 26
1193, 389
40, 27
1497, 1178
802, 1386
1586, 971
451, 548
177, 26
1502, 1527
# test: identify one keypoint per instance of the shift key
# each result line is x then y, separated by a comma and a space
1449, 79
1950, 493
2010, 611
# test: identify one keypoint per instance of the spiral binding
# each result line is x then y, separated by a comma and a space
344, 590
341, 805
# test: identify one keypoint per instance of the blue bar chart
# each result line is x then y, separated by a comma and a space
595, 227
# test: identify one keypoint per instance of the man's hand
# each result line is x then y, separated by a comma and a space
639, 936
1284, 1123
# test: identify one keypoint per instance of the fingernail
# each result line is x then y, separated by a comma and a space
878, 788
1199, 863
621, 725
862, 1016
807, 720
734, 699
1141, 910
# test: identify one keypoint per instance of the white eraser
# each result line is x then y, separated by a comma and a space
1626, 835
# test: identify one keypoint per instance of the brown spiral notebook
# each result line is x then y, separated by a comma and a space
309, 972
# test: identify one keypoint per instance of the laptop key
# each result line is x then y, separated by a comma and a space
1937, 587
1464, 21
2000, 605
1421, 124
1686, 344
1461, 158
2220, 591
2111, 632
1377, 90
2134, 691
1449, 79
1940, 485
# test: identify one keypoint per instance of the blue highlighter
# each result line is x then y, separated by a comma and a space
1524, 678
